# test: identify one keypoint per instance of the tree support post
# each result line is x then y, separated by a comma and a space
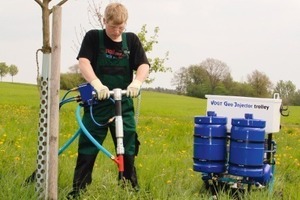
54, 104
47, 159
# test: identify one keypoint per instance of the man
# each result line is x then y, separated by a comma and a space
107, 60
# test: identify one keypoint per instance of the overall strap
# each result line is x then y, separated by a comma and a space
101, 42
125, 48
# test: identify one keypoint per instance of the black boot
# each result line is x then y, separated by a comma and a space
130, 171
30, 179
82, 174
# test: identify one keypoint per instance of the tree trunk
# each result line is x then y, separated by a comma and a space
46, 28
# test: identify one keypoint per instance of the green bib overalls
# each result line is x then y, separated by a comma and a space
114, 73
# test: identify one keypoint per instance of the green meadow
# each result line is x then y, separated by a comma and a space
164, 163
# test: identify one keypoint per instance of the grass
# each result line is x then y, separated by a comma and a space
165, 160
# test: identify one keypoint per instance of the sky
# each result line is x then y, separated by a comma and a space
247, 35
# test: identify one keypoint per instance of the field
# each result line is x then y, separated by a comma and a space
164, 164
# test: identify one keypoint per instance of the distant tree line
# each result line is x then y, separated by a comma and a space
213, 76
5, 69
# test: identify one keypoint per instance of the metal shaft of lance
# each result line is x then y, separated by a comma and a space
117, 94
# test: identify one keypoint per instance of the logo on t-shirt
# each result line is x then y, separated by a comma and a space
114, 54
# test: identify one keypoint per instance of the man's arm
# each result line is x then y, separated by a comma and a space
142, 72
87, 70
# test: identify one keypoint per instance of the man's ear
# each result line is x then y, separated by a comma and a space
104, 21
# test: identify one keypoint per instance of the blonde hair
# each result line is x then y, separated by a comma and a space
116, 13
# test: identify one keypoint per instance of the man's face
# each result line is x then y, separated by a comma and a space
114, 31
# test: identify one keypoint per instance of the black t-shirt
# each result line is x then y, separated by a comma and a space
90, 48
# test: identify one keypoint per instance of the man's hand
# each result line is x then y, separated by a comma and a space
134, 88
102, 90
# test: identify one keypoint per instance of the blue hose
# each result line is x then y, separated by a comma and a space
85, 131
72, 99
92, 116
67, 144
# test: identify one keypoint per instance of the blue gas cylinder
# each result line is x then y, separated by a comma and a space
246, 153
210, 143
267, 175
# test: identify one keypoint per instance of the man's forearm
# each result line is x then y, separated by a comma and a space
142, 72
87, 70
